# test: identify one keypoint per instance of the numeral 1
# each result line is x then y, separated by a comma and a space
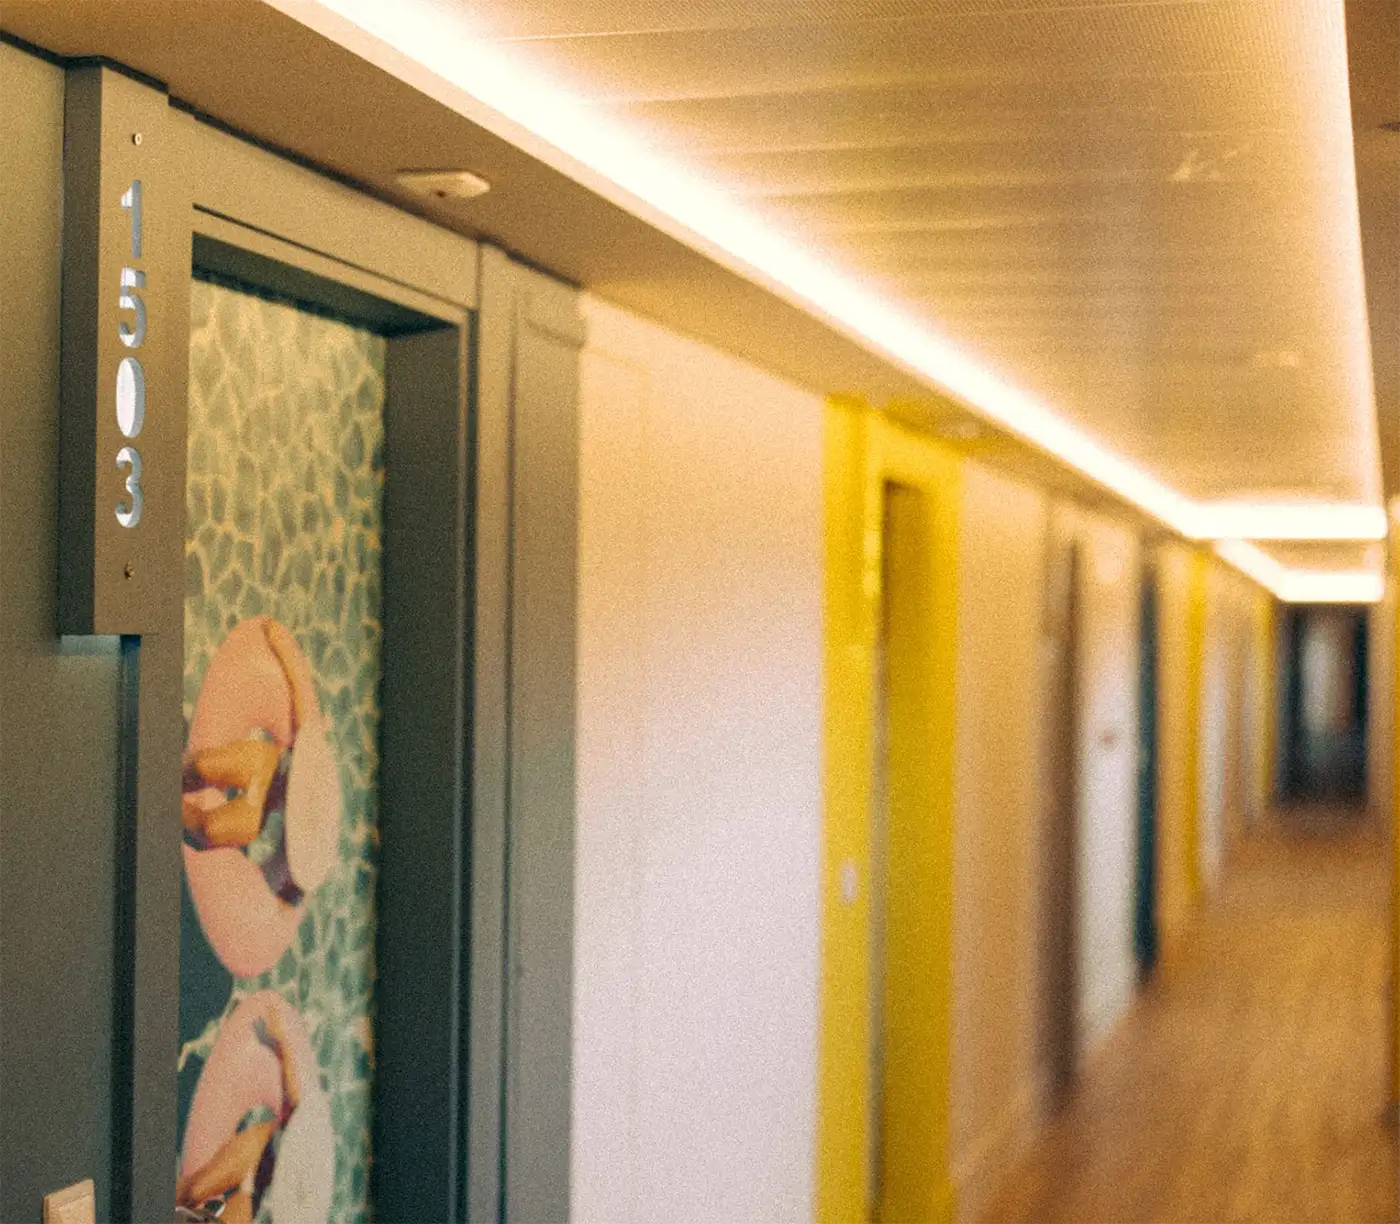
131, 201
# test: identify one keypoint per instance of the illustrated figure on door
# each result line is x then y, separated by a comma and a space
279, 793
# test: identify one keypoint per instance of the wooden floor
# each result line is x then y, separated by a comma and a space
1248, 1085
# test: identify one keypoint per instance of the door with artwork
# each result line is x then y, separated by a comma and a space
283, 634
328, 651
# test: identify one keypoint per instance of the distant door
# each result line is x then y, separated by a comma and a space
328, 656
281, 790
887, 963
1059, 876
1145, 916
905, 1105
879, 897
1326, 728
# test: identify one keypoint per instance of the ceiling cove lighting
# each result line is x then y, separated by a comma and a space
433, 46
1291, 521
1353, 586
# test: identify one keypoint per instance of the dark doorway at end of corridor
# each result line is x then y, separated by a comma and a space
1145, 942
1323, 715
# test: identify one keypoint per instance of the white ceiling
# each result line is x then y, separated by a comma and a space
1325, 556
1143, 212
1373, 61
1124, 231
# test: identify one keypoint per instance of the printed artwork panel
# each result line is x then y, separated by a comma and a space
281, 706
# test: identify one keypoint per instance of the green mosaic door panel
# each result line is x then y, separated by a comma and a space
281, 706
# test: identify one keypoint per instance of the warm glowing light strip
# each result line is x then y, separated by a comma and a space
1361, 586
432, 45
1291, 521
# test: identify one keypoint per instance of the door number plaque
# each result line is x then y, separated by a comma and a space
121, 460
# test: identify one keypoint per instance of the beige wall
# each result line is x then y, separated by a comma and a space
1000, 585
1218, 731
1226, 758
699, 784
1234, 726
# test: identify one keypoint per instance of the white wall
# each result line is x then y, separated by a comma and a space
1110, 590
1001, 559
1233, 714
699, 784
1215, 731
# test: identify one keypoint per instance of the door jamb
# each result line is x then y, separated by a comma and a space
864, 452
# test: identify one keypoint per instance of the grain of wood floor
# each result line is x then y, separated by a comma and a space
1248, 1084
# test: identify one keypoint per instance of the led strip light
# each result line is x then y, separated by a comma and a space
1294, 585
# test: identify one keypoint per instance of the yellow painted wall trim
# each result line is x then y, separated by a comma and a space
1395, 822
864, 455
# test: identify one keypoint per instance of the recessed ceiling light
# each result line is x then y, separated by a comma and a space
443, 185
962, 430
1276, 359
1199, 166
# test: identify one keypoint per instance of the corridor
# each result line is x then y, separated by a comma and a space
623, 611
1248, 1084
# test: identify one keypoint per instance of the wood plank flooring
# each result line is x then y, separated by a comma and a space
1248, 1084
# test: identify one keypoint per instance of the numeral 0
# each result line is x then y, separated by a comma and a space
131, 397
131, 378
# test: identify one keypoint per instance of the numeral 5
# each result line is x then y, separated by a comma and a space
132, 280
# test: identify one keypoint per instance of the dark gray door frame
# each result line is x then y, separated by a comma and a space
523, 833
475, 904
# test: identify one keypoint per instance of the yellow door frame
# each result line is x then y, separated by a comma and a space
1197, 601
865, 454
1394, 578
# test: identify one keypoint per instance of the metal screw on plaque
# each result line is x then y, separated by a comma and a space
136, 138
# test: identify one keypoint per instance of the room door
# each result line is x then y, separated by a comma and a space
1059, 883
317, 492
326, 669
1145, 897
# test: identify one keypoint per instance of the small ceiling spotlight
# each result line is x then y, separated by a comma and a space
964, 429
443, 185
1276, 359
